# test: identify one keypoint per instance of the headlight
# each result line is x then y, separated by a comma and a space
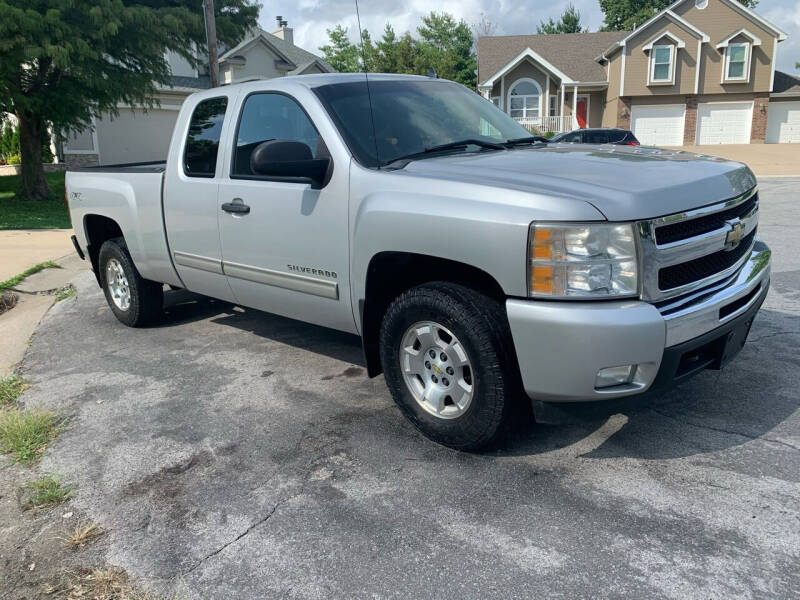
582, 260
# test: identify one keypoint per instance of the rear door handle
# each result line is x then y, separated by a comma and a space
236, 207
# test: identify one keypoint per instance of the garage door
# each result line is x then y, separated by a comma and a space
135, 136
658, 125
783, 123
724, 123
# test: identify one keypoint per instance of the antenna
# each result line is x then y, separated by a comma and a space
366, 80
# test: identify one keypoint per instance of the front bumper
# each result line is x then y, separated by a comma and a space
561, 346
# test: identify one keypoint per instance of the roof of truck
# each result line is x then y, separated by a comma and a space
317, 79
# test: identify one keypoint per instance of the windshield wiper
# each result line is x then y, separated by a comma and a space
533, 139
443, 148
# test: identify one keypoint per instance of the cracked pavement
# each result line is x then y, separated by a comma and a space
234, 454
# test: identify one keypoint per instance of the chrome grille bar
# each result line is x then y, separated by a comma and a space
657, 256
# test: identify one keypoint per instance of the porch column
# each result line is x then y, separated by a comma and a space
546, 100
503, 93
561, 112
575, 106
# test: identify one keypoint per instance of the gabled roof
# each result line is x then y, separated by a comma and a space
785, 85
756, 41
668, 12
664, 14
289, 53
660, 36
571, 54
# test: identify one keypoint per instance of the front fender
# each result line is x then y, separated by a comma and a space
492, 237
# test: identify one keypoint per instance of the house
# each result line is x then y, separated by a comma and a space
698, 72
135, 135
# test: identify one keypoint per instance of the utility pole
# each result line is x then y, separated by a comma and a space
211, 41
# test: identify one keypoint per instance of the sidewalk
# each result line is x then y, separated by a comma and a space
21, 249
765, 160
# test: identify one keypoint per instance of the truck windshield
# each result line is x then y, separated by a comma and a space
411, 117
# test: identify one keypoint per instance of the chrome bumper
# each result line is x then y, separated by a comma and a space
561, 346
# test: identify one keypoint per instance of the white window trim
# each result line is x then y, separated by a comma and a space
727, 61
552, 104
511, 89
651, 80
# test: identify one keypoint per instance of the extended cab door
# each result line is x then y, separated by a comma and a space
288, 253
191, 189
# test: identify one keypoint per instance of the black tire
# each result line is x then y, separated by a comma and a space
480, 324
146, 297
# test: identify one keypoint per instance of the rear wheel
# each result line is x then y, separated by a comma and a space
449, 363
135, 301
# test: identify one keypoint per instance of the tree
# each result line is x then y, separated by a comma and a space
484, 27
63, 62
444, 44
623, 15
447, 46
570, 22
340, 52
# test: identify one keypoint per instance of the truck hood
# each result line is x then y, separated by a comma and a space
625, 183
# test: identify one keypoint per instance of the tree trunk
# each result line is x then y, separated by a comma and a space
34, 183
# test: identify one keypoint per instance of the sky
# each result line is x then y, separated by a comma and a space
311, 18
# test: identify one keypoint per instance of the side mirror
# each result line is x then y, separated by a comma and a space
289, 159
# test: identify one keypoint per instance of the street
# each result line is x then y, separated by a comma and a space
234, 454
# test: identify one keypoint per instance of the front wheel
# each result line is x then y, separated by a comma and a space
135, 301
449, 363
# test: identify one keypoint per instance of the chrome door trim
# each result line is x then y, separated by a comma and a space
195, 261
288, 281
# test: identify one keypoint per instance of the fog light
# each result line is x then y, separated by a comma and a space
614, 376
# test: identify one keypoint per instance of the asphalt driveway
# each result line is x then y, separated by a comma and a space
234, 454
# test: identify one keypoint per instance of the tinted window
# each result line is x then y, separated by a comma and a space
202, 141
411, 116
272, 117
572, 138
597, 137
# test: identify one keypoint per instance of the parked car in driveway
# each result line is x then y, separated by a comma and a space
474, 262
605, 135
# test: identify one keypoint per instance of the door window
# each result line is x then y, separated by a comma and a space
271, 116
202, 140
597, 137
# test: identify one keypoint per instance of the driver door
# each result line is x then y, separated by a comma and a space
288, 254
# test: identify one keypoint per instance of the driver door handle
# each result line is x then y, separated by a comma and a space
236, 207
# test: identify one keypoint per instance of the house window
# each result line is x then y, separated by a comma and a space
736, 61
553, 106
661, 67
524, 99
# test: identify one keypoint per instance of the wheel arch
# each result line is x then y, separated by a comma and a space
390, 273
98, 229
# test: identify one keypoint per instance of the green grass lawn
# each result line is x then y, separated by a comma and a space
19, 213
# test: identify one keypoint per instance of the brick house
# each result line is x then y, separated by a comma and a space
698, 72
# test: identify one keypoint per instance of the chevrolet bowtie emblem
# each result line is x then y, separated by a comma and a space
735, 234
437, 369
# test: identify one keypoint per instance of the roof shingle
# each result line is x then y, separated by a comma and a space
571, 53
785, 85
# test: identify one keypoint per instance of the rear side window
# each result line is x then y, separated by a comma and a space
272, 116
202, 141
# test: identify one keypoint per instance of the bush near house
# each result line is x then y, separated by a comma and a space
9, 145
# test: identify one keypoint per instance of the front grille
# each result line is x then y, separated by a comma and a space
694, 270
675, 232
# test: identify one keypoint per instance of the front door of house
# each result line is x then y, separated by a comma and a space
581, 112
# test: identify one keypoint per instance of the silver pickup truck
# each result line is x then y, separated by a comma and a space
477, 264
